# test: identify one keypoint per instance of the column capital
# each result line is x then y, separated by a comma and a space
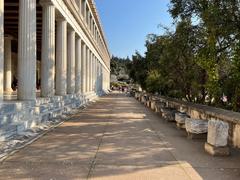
70, 29
46, 3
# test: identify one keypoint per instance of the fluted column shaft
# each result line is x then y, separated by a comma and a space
1, 47
95, 74
78, 67
71, 62
87, 70
48, 49
61, 57
8, 64
83, 72
99, 76
90, 71
27, 50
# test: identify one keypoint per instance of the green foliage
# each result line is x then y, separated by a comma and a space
198, 61
138, 70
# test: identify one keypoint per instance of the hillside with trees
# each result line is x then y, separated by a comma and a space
119, 69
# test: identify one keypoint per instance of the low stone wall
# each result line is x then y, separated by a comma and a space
198, 111
223, 125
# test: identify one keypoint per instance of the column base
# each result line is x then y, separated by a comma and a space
9, 90
217, 151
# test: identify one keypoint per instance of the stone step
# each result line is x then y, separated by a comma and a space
56, 99
42, 109
41, 101
12, 107
57, 113
10, 130
8, 118
6, 132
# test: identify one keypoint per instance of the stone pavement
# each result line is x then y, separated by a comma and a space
118, 138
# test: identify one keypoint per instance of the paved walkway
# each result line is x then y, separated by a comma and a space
118, 138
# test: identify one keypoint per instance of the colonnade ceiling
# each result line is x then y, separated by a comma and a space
11, 16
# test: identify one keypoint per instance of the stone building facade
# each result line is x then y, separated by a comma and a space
53, 57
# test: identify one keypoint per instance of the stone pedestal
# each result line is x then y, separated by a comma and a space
27, 50
61, 57
48, 49
217, 138
217, 151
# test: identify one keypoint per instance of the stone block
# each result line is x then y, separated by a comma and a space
6, 132
143, 99
217, 133
168, 114
180, 118
196, 126
217, 151
153, 102
181, 126
236, 136
8, 118
7, 108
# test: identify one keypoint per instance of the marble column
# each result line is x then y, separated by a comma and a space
61, 57
93, 73
1, 47
99, 76
84, 9
90, 71
8, 63
87, 70
27, 50
48, 49
71, 62
95, 83
78, 67
83, 72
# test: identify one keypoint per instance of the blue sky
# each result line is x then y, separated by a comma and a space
126, 23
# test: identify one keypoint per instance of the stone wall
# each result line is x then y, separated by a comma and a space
204, 112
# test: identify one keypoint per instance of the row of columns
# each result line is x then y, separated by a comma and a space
75, 67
